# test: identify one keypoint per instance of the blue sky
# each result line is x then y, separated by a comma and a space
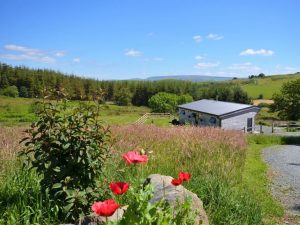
120, 39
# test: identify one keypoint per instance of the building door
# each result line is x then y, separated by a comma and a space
249, 124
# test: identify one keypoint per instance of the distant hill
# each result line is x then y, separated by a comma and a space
194, 78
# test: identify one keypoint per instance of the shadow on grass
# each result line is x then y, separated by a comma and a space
290, 140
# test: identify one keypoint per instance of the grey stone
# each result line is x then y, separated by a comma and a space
164, 189
99, 220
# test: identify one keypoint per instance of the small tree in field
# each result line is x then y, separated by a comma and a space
166, 102
182, 99
240, 96
68, 147
163, 102
11, 91
123, 96
287, 102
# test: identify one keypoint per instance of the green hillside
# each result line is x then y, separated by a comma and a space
266, 86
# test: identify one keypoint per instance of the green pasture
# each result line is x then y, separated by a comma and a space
229, 176
265, 86
20, 111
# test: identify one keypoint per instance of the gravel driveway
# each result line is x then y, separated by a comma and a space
284, 161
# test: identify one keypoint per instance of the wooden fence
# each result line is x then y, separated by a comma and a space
288, 126
146, 116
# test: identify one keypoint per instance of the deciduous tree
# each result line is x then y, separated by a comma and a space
287, 102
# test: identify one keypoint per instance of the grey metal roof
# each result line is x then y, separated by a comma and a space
213, 107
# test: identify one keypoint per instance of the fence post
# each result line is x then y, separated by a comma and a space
272, 127
260, 128
244, 129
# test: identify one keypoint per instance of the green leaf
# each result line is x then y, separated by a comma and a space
57, 185
68, 207
57, 169
66, 146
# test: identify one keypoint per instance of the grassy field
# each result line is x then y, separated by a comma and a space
227, 172
20, 111
215, 159
266, 86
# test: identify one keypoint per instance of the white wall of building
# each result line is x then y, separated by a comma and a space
238, 122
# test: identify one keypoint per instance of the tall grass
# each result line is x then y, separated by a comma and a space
9, 146
214, 157
20, 199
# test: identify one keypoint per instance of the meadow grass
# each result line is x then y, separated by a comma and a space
229, 176
16, 111
21, 201
266, 86
214, 157
21, 112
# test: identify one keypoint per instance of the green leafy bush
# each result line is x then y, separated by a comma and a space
11, 91
123, 96
163, 102
67, 148
142, 212
287, 102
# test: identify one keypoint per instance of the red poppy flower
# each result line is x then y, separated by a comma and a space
106, 208
135, 157
176, 182
184, 176
119, 188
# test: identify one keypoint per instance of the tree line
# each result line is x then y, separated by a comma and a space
31, 83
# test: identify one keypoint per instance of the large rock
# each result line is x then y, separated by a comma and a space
164, 189
99, 220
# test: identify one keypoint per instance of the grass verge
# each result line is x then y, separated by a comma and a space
256, 179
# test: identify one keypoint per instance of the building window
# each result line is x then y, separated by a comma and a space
213, 120
182, 112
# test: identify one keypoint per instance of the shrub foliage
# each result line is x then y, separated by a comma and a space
67, 148
287, 102
163, 102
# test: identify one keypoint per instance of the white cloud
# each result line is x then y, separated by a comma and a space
262, 52
158, 59
76, 60
59, 53
214, 37
197, 38
151, 34
30, 54
28, 51
286, 69
206, 65
24, 57
291, 68
246, 67
226, 73
199, 57
133, 53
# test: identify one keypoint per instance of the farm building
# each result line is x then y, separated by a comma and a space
227, 115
